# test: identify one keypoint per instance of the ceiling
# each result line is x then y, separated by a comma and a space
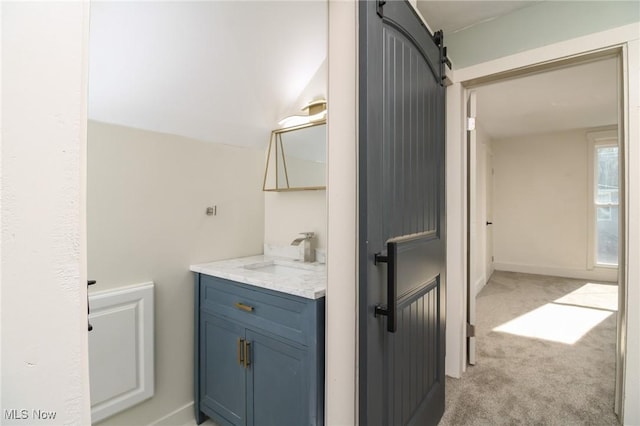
228, 71
220, 71
453, 15
580, 96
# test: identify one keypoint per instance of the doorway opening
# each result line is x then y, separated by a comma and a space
545, 154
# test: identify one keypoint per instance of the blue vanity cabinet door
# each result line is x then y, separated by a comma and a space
277, 382
222, 378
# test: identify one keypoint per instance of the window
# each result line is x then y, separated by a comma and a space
604, 193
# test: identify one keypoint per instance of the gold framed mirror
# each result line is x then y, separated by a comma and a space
296, 159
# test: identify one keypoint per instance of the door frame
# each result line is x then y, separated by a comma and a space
341, 310
471, 201
625, 41
472, 186
477, 229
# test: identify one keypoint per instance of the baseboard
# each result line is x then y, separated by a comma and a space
179, 417
599, 274
479, 285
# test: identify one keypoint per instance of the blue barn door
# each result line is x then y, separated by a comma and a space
402, 217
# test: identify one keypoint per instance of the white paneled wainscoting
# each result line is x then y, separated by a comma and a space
121, 359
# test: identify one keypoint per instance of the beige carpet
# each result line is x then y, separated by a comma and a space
545, 355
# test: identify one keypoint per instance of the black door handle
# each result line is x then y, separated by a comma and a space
489, 223
90, 282
390, 310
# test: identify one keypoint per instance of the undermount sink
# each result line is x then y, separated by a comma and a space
281, 268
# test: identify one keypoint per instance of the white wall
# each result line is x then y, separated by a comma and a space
316, 88
541, 205
44, 317
287, 214
148, 193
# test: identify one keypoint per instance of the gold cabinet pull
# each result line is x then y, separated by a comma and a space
244, 307
241, 350
247, 354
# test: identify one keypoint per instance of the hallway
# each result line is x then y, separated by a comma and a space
545, 354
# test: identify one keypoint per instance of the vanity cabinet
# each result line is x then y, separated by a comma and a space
259, 355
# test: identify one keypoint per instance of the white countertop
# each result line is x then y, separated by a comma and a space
294, 277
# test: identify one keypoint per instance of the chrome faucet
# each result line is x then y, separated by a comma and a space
309, 254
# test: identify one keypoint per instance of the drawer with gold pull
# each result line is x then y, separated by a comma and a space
266, 309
